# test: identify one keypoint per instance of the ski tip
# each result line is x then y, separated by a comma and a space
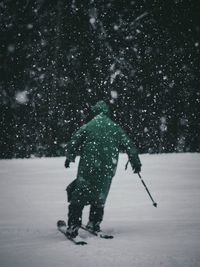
61, 223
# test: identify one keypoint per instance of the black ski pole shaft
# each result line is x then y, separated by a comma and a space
154, 203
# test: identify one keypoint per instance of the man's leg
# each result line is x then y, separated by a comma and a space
74, 218
95, 217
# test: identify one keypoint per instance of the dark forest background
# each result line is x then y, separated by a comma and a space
60, 57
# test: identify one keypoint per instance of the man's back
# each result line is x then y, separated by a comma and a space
101, 146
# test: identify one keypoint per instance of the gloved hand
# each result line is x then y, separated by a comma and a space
67, 162
137, 169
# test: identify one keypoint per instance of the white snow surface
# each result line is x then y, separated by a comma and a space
33, 198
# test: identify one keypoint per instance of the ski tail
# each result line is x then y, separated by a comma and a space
100, 234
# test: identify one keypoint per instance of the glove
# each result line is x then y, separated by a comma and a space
67, 162
137, 169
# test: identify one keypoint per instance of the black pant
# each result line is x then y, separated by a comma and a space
75, 214
96, 214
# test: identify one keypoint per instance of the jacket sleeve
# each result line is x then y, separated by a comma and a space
75, 143
128, 147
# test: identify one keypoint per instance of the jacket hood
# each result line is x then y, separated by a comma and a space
100, 107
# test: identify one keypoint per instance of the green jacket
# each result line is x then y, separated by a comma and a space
98, 143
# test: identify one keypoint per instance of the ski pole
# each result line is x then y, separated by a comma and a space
154, 203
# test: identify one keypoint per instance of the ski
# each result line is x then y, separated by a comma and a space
62, 227
100, 234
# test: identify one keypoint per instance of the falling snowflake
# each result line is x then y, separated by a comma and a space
114, 94
21, 97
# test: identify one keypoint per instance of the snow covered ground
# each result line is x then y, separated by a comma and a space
32, 199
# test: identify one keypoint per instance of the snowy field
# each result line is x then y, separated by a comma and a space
32, 199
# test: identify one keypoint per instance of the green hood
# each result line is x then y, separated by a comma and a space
100, 107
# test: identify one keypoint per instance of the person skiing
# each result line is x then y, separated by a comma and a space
98, 143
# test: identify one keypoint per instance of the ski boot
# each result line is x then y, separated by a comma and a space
72, 231
93, 227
